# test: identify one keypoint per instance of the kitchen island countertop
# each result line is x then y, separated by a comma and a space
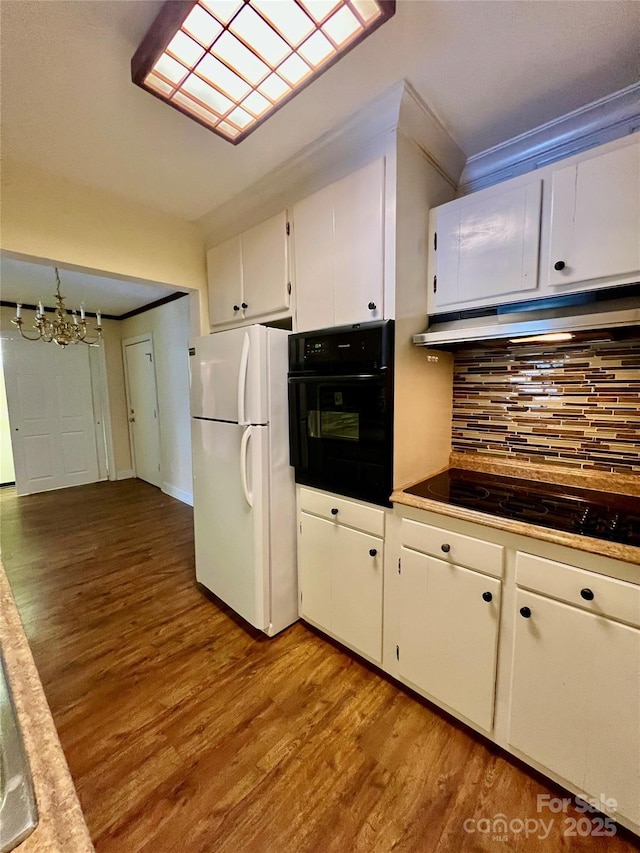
61, 827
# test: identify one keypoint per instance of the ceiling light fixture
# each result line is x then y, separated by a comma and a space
551, 337
230, 64
60, 330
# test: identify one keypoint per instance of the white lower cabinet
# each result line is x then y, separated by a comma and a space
541, 655
340, 579
448, 635
575, 686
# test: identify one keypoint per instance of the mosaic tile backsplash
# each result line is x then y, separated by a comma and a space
572, 404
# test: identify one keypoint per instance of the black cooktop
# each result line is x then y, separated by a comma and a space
603, 515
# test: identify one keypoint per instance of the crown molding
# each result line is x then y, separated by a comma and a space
367, 133
601, 121
418, 122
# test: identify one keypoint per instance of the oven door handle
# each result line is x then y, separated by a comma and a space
336, 377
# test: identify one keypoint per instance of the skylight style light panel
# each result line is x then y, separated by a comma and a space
367, 9
287, 17
256, 103
258, 35
185, 49
320, 9
230, 64
202, 26
196, 109
224, 10
294, 69
239, 58
316, 49
228, 129
274, 87
158, 84
226, 80
210, 97
342, 26
171, 70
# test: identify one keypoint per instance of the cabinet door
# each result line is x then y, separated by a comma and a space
224, 272
341, 583
449, 634
359, 239
575, 698
356, 592
595, 218
487, 247
313, 259
316, 554
265, 269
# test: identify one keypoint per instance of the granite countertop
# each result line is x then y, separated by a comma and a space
620, 484
61, 827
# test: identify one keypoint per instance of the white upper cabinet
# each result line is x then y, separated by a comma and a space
224, 270
265, 267
338, 236
595, 219
358, 245
580, 218
248, 275
314, 260
487, 246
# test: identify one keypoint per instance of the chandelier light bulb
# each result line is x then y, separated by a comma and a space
61, 330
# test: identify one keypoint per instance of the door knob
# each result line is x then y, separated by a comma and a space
372, 552
372, 306
526, 612
236, 307
446, 548
132, 420
587, 594
334, 511
559, 265
487, 596
244, 305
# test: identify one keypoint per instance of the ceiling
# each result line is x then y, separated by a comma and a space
489, 70
29, 283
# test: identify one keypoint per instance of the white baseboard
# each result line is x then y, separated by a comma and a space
179, 494
125, 474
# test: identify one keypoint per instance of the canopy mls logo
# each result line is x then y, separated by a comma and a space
501, 828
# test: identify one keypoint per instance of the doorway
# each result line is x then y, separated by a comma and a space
142, 407
51, 415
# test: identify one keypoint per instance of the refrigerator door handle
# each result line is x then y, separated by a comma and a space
242, 379
246, 435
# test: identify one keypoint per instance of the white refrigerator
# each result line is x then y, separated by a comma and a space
243, 485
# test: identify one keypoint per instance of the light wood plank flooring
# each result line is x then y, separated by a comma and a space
186, 732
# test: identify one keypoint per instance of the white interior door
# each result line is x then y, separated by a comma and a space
50, 404
231, 520
142, 401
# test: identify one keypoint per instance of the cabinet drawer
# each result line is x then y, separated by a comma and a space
366, 518
605, 596
455, 548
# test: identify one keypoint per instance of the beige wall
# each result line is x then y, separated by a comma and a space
49, 218
423, 379
117, 400
170, 326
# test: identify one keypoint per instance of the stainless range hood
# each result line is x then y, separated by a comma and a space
602, 309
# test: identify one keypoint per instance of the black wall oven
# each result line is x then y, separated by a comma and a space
341, 409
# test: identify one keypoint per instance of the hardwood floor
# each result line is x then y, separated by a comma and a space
186, 732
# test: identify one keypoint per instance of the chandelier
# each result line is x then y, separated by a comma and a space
64, 328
